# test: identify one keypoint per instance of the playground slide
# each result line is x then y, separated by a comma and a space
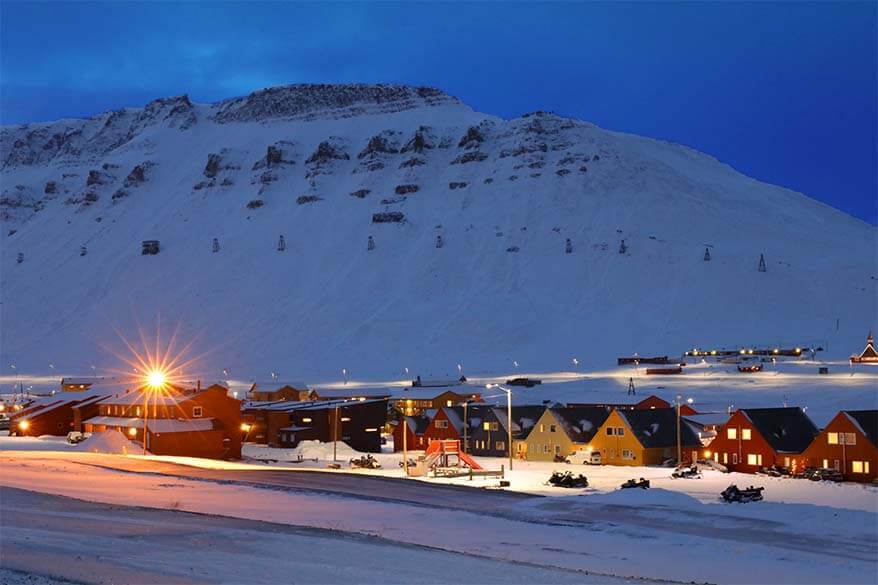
469, 461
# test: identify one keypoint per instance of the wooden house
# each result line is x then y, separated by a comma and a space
52, 415
175, 421
357, 423
644, 437
849, 444
268, 392
754, 438
868, 355
81, 384
561, 431
414, 427
488, 431
412, 401
446, 423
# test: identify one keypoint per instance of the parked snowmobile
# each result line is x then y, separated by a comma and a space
566, 479
688, 472
366, 462
733, 494
634, 483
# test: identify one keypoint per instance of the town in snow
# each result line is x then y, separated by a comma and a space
266, 321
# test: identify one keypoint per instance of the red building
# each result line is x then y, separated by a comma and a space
754, 438
446, 423
54, 415
414, 429
849, 444
651, 402
195, 423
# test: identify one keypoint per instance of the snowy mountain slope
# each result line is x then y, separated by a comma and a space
314, 163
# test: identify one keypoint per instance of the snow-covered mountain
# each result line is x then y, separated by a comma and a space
469, 217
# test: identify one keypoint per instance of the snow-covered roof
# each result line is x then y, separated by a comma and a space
155, 425
429, 393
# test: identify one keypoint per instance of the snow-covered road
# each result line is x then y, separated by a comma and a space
629, 533
98, 543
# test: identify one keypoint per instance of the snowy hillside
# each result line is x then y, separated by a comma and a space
315, 164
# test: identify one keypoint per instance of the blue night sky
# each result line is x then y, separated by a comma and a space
783, 92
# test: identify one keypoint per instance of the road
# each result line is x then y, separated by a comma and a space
98, 543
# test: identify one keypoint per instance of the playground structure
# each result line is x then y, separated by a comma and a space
444, 457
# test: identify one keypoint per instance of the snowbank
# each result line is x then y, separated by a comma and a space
111, 442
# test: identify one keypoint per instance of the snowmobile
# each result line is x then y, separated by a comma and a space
566, 479
560, 459
366, 462
411, 463
634, 483
689, 472
774, 471
733, 494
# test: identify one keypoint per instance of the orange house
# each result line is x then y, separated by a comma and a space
849, 444
643, 437
756, 438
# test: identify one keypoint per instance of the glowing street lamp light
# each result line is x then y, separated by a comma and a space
508, 417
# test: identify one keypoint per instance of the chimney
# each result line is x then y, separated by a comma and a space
198, 385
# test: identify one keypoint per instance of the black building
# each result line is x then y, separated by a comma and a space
358, 423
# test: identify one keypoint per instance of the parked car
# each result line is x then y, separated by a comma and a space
585, 457
822, 474
526, 382
74, 437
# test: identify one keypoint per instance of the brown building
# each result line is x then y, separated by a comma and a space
868, 355
412, 401
196, 423
53, 415
81, 384
849, 444
268, 392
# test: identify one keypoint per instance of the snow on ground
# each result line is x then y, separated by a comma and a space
96, 543
631, 532
111, 441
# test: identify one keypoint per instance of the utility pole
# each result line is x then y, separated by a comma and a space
335, 436
405, 450
145, 414
679, 442
508, 418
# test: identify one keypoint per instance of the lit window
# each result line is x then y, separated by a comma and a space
627, 454
542, 428
197, 411
486, 426
447, 403
754, 459
732, 433
745, 434
716, 457
857, 466
345, 419
441, 424
725, 458
306, 420
825, 463
832, 439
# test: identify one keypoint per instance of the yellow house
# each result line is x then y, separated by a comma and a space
643, 437
561, 431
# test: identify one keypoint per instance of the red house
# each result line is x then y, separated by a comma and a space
54, 415
849, 443
754, 438
173, 421
414, 427
447, 423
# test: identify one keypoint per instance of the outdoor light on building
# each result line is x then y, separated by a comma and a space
132, 432
707, 454
245, 428
345, 419
2, 407
24, 425
156, 379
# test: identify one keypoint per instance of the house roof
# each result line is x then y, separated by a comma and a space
867, 421
787, 430
523, 418
428, 392
418, 424
455, 418
275, 386
60, 400
581, 422
339, 393
657, 428
156, 425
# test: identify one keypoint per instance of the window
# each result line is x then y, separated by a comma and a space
542, 428
832, 439
835, 465
745, 434
306, 420
734, 458
551, 428
138, 411
627, 454
732, 433
754, 459
609, 431
520, 447
448, 403
716, 457
557, 449
850, 439
500, 445
441, 424
786, 461
545, 448
825, 463
495, 426
857, 466
486, 426
617, 431
197, 411
725, 458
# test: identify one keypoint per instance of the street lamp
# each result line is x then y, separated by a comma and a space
508, 417
344, 373
679, 439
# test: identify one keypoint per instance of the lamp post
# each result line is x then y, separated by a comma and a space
679, 439
466, 403
508, 418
